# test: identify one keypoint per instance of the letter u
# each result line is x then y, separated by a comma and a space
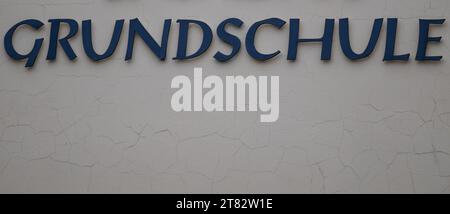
344, 38
87, 40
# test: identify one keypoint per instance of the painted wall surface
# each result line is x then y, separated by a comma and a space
107, 127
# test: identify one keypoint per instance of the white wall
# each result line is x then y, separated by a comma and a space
346, 127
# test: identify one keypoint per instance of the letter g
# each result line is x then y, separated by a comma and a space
32, 55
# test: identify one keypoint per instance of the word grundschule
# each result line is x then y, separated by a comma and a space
136, 28
220, 96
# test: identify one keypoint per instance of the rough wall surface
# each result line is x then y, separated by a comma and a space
344, 127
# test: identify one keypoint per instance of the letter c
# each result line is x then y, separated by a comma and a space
250, 38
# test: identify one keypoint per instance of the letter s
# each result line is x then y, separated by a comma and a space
228, 38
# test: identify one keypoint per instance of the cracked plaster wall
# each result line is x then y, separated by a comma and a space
344, 127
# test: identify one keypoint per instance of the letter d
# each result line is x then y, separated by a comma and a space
183, 39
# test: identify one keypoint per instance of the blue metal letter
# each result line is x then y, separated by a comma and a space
391, 36
87, 40
424, 25
345, 39
54, 38
136, 27
228, 38
183, 39
32, 55
326, 40
250, 38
